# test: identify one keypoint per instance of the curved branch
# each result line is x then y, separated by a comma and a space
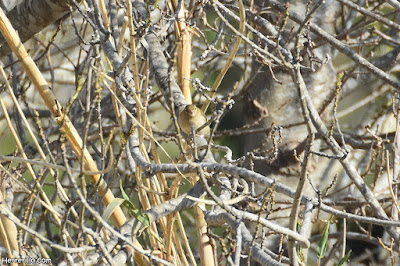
359, 60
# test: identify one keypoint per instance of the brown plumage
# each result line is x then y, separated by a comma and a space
192, 118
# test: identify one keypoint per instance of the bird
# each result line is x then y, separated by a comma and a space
192, 118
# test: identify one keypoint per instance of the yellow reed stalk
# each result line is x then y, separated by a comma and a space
55, 108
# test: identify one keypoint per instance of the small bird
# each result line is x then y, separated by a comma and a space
192, 118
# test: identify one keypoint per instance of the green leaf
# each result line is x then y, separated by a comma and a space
111, 207
322, 243
345, 258
124, 195
143, 218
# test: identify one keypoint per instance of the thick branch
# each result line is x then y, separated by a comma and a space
30, 17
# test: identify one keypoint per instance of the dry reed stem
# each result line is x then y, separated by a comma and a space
183, 34
55, 108
228, 63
